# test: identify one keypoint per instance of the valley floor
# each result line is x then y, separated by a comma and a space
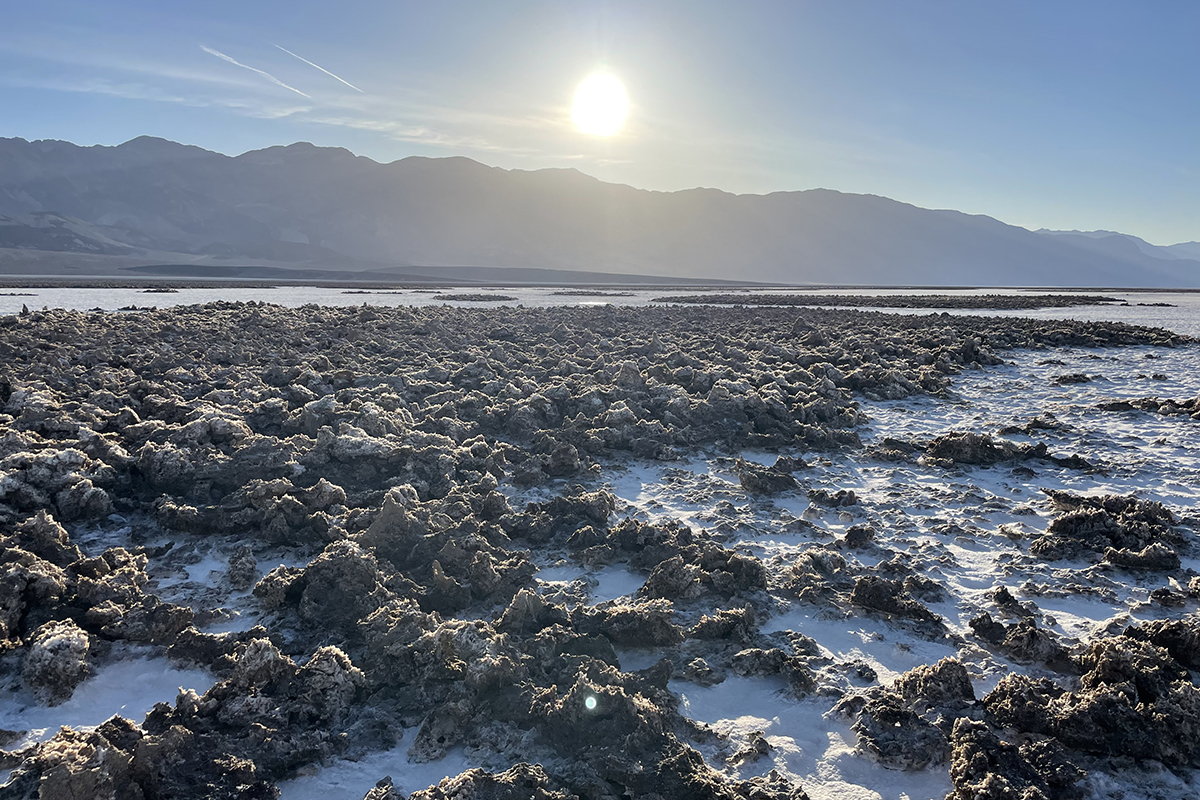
734, 553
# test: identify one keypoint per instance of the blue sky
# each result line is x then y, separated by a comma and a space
1060, 114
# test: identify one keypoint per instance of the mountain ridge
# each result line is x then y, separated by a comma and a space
302, 205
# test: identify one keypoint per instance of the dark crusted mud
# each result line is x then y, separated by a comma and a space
983, 301
376, 451
1127, 531
1189, 408
475, 297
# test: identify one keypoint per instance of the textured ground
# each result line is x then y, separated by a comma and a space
652, 551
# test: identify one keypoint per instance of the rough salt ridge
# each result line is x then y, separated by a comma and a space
411, 470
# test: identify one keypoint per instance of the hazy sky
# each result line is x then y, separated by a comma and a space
1043, 114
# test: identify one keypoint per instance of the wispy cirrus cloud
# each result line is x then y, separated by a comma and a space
47, 56
264, 73
415, 107
133, 90
318, 66
128, 90
414, 132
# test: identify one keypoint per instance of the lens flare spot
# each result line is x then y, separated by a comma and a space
590, 703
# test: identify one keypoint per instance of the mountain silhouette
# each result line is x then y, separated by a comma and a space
152, 201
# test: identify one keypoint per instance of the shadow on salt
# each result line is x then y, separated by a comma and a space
565, 573
634, 659
353, 779
608, 583
1145, 783
239, 619
129, 688
890, 651
645, 488
202, 572
1082, 615
815, 751
613, 582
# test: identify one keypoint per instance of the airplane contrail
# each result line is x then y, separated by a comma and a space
266, 75
318, 66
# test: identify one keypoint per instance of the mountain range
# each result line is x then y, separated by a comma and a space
167, 208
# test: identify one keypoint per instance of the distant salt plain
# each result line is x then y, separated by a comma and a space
1181, 315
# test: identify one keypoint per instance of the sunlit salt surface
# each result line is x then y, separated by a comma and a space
128, 687
889, 652
353, 779
804, 741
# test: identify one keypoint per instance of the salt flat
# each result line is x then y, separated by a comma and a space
463, 526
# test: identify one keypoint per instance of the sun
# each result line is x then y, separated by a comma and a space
600, 105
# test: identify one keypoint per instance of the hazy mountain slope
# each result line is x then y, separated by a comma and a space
303, 204
1111, 241
1184, 250
47, 231
1131, 249
1102, 239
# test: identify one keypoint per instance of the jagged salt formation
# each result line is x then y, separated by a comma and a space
373, 442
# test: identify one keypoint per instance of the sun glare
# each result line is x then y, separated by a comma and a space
600, 105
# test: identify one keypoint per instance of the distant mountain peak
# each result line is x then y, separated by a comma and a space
162, 148
299, 150
151, 141
1096, 234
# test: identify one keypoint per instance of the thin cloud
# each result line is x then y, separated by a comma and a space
417, 134
318, 66
266, 75
124, 90
128, 90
